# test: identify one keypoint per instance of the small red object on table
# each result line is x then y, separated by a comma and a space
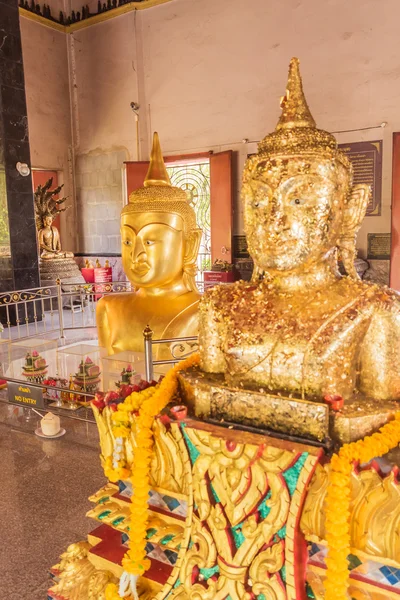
88, 275
335, 401
178, 412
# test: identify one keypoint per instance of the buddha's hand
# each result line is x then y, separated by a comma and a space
127, 586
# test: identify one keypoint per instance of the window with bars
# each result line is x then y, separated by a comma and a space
195, 180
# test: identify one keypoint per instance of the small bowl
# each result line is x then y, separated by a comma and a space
179, 412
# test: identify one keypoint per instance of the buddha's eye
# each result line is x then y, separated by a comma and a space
297, 201
127, 243
149, 242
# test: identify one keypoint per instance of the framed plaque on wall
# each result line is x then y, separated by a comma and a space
366, 158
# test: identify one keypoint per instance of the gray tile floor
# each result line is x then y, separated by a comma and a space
43, 499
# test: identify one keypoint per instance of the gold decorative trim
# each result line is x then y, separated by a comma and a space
41, 20
374, 514
95, 19
359, 590
292, 524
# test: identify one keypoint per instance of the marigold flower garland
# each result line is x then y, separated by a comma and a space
149, 405
115, 468
338, 503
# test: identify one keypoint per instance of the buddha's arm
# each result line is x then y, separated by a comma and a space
380, 354
210, 337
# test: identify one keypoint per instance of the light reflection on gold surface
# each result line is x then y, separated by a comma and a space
303, 331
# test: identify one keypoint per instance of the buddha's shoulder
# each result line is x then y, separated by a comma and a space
225, 295
116, 301
190, 301
381, 297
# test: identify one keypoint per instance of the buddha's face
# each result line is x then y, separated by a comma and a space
293, 210
152, 248
47, 221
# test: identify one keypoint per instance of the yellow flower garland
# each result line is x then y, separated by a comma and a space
121, 428
338, 503
150, 403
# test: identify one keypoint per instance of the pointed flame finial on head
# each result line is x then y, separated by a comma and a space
296, 132
157, 173
295, 111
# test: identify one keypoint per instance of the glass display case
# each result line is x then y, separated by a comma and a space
33, 359
80, 364
127, 368
122, 368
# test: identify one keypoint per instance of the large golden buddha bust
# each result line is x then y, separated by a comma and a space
304, 331
160, 243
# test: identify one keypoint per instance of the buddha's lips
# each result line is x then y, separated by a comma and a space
140, 268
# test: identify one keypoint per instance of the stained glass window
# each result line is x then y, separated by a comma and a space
195, 180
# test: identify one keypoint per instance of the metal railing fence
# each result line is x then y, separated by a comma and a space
53, 309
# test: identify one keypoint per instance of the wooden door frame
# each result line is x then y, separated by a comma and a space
395, 217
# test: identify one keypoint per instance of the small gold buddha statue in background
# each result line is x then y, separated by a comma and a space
49, 240
304, 331
160, 243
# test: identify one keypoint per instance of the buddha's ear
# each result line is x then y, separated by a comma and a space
192, 246
353, 215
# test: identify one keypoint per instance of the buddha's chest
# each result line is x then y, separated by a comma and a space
49, 235
309, 348
129, 319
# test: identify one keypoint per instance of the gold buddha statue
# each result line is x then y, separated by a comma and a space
160, 243
49, 240
304, 331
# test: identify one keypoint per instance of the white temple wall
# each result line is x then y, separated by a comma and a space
214, 73
209, 74
99, 201
49, 120
105, 131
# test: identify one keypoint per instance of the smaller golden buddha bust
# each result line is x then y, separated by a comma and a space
304, 331
49, 240
160, 243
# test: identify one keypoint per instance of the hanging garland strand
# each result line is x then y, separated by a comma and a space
149, 405
337, 504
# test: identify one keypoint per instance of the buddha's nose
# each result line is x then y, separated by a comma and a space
276, 217
139, 251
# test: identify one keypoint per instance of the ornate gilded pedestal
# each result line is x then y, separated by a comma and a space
64, 269
209, 396
225, 507
236, 515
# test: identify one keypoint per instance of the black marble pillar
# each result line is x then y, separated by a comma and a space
14, 140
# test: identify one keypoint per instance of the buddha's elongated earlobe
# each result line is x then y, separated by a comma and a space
354, 213
192, 245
